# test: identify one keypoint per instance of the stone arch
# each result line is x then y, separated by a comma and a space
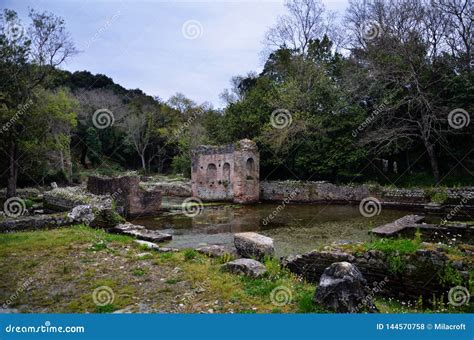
249, 168
226, 172
211, 172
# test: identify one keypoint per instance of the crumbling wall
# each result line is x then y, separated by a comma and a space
127, 193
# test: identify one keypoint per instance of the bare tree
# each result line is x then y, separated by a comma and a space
306, 20
403, 64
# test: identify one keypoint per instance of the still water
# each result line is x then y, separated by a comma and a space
295, 228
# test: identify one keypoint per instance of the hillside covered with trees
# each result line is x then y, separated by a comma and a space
385, 94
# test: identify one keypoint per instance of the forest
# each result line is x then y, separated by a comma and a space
383, 93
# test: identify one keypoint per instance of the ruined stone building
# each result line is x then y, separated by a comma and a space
226, 173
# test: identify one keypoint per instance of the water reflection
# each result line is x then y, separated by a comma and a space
295, 228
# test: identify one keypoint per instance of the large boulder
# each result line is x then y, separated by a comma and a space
253, 245
82, 214
247, 267
342, 289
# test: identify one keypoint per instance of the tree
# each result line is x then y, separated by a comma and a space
26, 58
306, 20
408, 64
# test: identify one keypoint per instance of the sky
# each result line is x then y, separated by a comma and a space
165, 47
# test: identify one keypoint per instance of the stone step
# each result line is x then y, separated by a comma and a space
140, 232
397, 226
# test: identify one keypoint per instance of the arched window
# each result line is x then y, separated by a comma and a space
211, 172
250, 168
226, 172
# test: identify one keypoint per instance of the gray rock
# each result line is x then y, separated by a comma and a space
82, 214
214, 250
253, 245
342, 289
140, 232
247, 267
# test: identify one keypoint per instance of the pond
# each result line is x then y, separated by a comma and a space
296, 228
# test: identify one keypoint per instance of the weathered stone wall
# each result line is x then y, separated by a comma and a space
35, 222
419, 275
64, 199
314, 192
226, 173
127, 193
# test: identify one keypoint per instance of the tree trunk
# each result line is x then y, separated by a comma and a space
142, 156
12, 169
433, 160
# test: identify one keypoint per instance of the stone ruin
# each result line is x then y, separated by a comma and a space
226, 173
126, 191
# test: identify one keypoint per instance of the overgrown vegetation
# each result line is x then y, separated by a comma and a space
84, 259
375, 108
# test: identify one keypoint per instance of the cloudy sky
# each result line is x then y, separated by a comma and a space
164, 47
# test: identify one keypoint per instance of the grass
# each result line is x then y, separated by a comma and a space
65, 266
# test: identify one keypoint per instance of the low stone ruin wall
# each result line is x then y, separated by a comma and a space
23, 192
322, 192
35, 222
64, 199
176, 189
424, 273
127, 193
